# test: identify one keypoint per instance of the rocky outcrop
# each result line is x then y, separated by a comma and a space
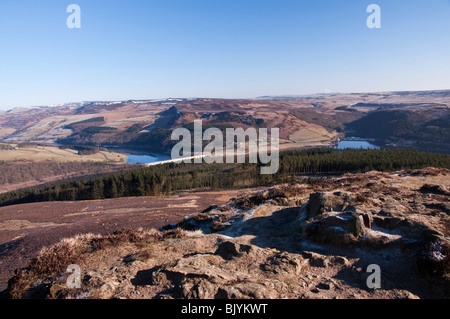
256, 247
205, 276
336, 218
434, 189
320, 221
228, 250
317, 203
345, 222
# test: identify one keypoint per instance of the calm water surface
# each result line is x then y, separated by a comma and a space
356, 144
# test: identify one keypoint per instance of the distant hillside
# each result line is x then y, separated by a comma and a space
428, 130
412, 119
332, 122
397, 105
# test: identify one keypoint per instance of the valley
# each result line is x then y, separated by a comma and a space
73, 191
412, 119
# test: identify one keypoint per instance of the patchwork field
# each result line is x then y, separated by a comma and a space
313, 136
49, 153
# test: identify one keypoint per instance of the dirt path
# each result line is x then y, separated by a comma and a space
25, 229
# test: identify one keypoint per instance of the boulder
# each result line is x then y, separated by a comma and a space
348, 222
282, 263
434, 189
302, 218
317, 203
316, 259
228, 250
228, 293
368, 219
197, 289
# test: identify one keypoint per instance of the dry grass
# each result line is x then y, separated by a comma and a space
124, 235
49, 262
273, 193
361, 198
201, 217
53, 261
217, 226
313, 135
176, 233
434, 261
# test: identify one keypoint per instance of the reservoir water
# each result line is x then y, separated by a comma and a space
146, 159
140, 156
134, 157
355, 144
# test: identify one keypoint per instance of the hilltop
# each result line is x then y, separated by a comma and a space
287, 241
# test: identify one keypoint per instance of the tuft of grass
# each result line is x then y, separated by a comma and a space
434, 261
125, 235
361, 198
55, 259
273, 193
176, 233
217, 226
52, 261
201, 217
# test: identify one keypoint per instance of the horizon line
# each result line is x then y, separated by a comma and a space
222, 98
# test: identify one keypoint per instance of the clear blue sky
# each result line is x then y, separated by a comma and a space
139, 49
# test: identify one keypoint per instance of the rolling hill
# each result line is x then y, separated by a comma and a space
414, 119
